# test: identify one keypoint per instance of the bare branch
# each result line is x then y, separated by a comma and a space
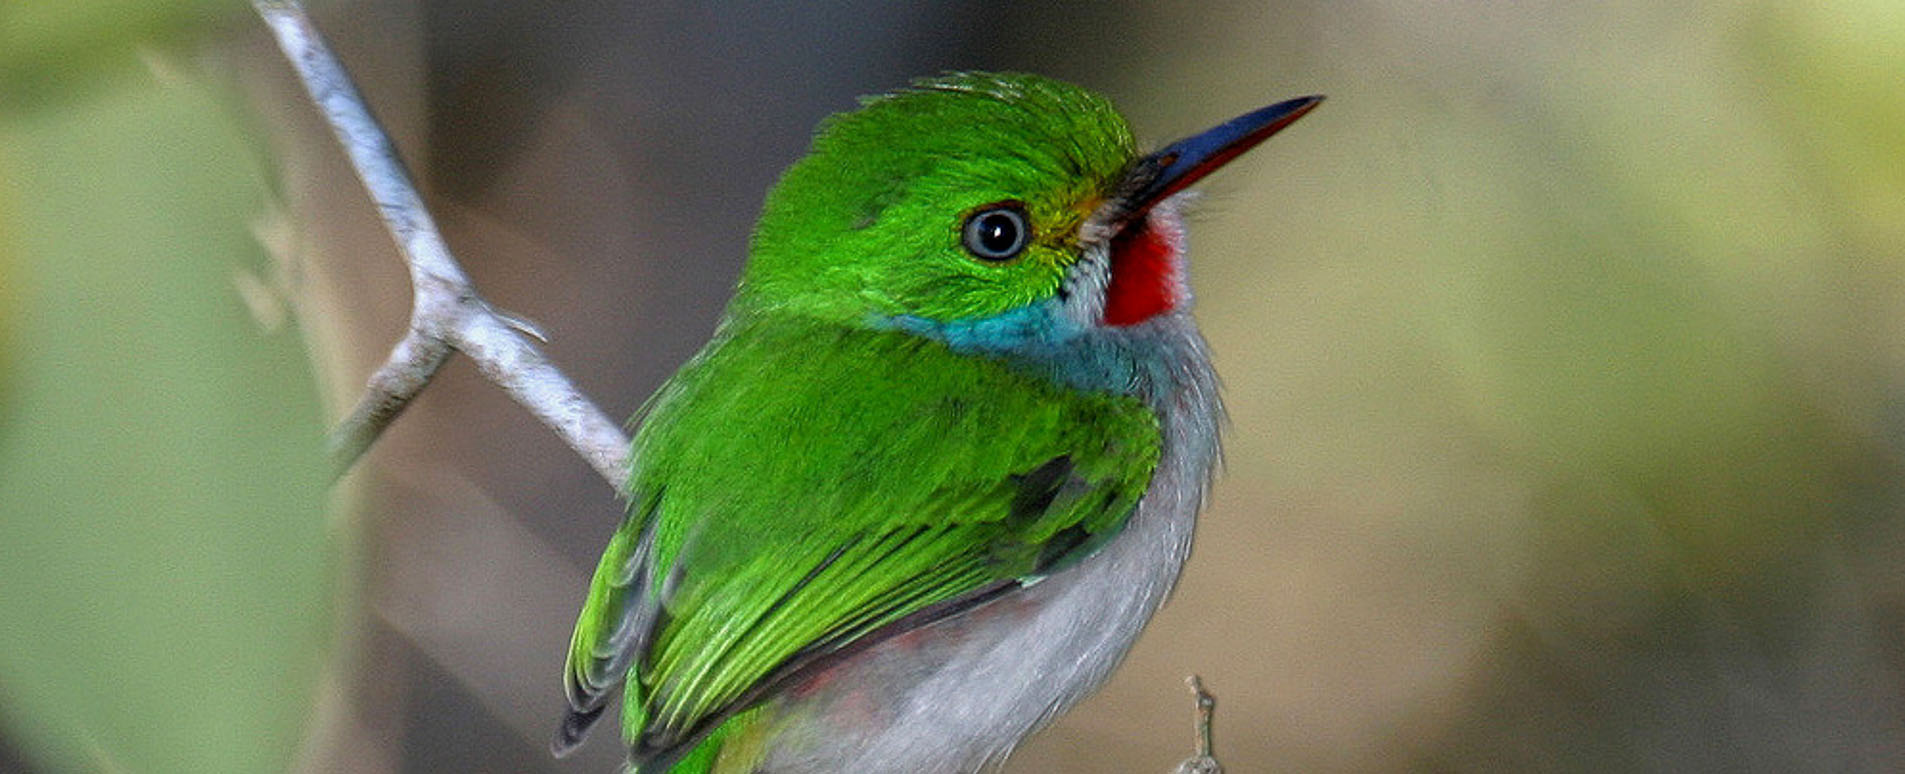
511, 361
391, 387
1204, 762
446, 314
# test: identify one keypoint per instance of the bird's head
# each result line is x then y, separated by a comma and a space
978, 197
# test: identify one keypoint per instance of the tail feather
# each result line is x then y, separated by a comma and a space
575, 727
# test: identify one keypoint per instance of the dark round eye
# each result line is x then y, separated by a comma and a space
997, 233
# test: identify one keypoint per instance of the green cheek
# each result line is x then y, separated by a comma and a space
963, 292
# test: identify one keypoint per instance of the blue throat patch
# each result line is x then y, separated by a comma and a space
1041, 339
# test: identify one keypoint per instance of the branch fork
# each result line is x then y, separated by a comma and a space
447, 314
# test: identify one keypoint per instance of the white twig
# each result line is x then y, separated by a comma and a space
446, 314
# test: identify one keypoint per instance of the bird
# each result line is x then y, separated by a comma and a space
940, 461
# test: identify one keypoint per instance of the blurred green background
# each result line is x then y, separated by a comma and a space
1564, 349
168, 566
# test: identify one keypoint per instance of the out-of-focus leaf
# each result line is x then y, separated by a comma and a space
48, 46
167, 565
1832, 68
7, 304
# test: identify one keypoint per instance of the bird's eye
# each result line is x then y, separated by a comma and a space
997, 233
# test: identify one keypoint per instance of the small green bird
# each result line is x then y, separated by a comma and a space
940, 462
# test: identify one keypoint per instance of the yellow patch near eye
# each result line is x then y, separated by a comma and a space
1062, 231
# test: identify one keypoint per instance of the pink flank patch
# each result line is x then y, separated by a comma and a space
1141, 283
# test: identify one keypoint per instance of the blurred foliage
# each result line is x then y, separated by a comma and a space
1606, 375
1831, 68
49, 46
8, 248
164, 543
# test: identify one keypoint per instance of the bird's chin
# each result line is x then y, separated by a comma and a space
1129, 274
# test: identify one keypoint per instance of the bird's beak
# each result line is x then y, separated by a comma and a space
1156, 177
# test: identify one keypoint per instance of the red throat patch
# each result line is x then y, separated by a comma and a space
1142, 285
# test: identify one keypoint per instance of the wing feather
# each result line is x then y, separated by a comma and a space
599, 655
919, 484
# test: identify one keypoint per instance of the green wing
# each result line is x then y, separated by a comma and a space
786, 506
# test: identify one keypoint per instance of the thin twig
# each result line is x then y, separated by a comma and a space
390, 389
1204, 761
446, 314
